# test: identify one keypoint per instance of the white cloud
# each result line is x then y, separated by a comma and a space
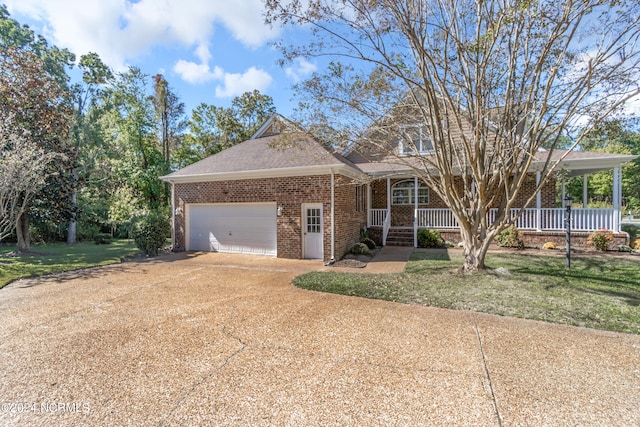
300, 70
233, 84
237, 84
197, 73
120, 30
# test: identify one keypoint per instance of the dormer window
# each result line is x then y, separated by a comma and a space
415, 139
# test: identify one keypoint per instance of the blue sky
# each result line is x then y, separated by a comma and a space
209, 51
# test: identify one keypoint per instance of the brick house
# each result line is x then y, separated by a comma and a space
289, 196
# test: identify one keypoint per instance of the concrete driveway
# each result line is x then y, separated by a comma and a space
213, 339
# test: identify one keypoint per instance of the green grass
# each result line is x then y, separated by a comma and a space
58, 257
599, 291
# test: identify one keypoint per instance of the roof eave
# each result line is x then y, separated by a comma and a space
266, 173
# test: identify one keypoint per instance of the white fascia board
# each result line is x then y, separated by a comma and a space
265, 173
601, 163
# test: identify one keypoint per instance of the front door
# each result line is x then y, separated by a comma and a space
312, 243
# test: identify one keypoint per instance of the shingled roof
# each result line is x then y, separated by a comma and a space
270, 156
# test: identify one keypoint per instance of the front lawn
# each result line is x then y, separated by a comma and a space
58, 257
599, 291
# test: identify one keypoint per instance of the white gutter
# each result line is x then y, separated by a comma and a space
264, 173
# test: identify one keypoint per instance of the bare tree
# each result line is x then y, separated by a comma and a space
492, 83
23, 173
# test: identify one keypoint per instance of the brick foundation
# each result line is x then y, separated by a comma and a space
532, 239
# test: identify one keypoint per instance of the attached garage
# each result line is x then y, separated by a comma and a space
232, 227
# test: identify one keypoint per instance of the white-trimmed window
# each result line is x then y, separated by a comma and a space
403, 193
415, 139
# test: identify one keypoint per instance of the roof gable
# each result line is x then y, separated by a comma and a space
290, 154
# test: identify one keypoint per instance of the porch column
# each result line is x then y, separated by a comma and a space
415, 211
617, 198
538, 203
585, 191
368, 205
564, 190
389, 195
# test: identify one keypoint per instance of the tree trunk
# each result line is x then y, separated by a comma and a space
73, 222
475, 251
22, 232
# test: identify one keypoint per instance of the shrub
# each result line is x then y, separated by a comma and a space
549, 245
360, 249
636, 244
429, 238
510, 237
625, 248
150, 234
600, 239
102, 238
367, 241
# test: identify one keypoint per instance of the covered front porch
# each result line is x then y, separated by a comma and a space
402, 205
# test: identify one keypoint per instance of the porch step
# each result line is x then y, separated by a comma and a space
400, 237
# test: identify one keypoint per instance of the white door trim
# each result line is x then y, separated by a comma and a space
310, 249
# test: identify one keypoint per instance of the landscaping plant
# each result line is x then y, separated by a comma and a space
601, 239
367, 241
510, 237
360, 249
150, 234
429, 238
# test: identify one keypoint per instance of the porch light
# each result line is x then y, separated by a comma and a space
568, 200
279, 211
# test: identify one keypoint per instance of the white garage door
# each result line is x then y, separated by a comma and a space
235, 227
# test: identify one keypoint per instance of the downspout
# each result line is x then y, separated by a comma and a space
617, 199
173, 217
415, 211
333, 222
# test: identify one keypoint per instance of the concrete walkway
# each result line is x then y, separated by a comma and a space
215, 339
390, 259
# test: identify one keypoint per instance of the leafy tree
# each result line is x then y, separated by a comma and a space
40, 107
490, 81
34, 89
95, 74
170, 116
615, 136
212, 128
129, 126
23, 173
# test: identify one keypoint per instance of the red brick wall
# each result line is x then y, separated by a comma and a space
290, 193
348, 219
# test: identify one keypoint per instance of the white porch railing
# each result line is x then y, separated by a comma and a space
436, 218
380, 218
376, 217
546, 219
386, 226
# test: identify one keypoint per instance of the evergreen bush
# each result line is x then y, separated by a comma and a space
429, 238
360, 249
367, 241
150, 233
102, 238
